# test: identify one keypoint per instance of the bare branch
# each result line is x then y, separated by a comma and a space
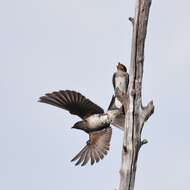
148, 110
135, 113
145, 141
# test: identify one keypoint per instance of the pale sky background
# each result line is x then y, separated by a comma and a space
48, 45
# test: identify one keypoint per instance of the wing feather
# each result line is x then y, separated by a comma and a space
96, 148
72, 101
87, 157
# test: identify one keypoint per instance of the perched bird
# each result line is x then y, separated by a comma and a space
94, 122
120, 80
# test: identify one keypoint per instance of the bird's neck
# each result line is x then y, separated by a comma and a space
120, 71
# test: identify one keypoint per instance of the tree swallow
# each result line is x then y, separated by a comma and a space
94, 122
120, 80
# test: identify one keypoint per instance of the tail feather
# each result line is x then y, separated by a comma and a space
118, 121
112, 104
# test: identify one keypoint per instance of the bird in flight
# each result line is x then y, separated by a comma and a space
94, 122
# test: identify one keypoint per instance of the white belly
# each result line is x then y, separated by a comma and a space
120, 83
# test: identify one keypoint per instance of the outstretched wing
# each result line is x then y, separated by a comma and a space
72, 101
96, 147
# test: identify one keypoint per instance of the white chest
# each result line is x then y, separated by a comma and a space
120, 83
97, 121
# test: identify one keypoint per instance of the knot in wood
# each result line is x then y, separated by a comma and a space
124, 148
140, 59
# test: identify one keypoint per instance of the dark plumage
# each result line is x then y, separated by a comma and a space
72, 101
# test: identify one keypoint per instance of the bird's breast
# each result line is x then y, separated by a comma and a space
120, 83
98, 121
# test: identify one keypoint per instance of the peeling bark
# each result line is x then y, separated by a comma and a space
136, 114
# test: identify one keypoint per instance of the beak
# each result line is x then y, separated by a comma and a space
73, 127
77, 125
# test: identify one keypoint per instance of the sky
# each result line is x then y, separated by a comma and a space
76, 44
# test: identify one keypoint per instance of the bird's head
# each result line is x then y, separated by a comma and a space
81, 125
121, 67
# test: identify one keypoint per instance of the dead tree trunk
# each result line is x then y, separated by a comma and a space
136, 114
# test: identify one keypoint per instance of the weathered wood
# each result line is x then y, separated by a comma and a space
136, 114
